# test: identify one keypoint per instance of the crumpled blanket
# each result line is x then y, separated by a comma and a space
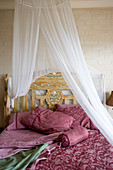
14, 141
73, 136
22, 159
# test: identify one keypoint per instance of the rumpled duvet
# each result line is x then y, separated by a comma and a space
20, 148
14, 141
22, 159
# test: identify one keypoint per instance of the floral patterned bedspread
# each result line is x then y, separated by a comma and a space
95, 153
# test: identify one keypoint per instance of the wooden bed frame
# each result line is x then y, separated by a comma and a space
53, 83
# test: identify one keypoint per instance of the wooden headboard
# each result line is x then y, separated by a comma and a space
52, 83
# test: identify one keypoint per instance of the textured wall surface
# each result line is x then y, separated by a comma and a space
6, 36
95, 29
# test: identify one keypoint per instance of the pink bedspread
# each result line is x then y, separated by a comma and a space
95, 153
12, 142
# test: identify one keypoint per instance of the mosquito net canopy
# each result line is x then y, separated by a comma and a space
46, 40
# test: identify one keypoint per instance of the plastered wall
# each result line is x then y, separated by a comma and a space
95, 29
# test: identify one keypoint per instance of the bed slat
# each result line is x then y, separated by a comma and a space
66, 101
6, 101
24, 103
42, 102
33, 99
75, 101
16, 105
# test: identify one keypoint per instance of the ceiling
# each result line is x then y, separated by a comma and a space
9, 4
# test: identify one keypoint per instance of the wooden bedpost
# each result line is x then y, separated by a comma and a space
6, 102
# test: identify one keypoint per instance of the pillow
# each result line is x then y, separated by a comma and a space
63, 106
76, 111
47, 121
73, 136
15, 120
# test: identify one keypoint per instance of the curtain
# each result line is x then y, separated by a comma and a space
46, 40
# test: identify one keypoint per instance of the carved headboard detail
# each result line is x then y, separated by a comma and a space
54, 85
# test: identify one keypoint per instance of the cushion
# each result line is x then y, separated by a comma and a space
46, 121
15, 120
73, 136
76, 111
63, 106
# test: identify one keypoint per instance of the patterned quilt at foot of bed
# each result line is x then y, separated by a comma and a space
95, 153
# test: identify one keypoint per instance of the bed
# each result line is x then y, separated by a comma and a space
47, 149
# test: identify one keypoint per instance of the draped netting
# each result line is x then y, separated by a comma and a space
46, 40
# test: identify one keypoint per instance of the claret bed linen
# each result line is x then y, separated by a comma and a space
63, 139
47, 150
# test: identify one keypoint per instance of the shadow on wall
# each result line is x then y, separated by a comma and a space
2, 123
107, 95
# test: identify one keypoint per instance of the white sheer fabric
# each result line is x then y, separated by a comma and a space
46, 40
